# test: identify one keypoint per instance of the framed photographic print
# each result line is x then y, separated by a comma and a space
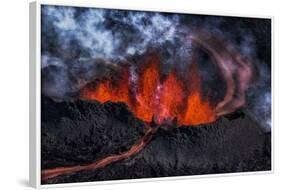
126, 94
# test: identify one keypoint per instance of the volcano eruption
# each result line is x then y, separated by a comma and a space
162, 100
178, 103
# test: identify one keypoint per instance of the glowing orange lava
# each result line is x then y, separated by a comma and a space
146, 96
164, 100
198, 111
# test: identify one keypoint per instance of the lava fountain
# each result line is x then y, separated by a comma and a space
162, 99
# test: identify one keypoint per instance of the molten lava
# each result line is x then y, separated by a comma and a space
198, 111
145, 104
164, 100
106, 90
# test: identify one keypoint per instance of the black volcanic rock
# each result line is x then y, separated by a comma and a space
79, 132
234, 143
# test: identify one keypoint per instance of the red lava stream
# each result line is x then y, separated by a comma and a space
136, 148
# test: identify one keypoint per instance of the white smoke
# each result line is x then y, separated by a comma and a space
90, 31
154, 30
259, 99
47, 60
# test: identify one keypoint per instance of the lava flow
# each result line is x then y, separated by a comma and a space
51, 173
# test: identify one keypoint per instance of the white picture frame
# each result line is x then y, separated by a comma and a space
35, 94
